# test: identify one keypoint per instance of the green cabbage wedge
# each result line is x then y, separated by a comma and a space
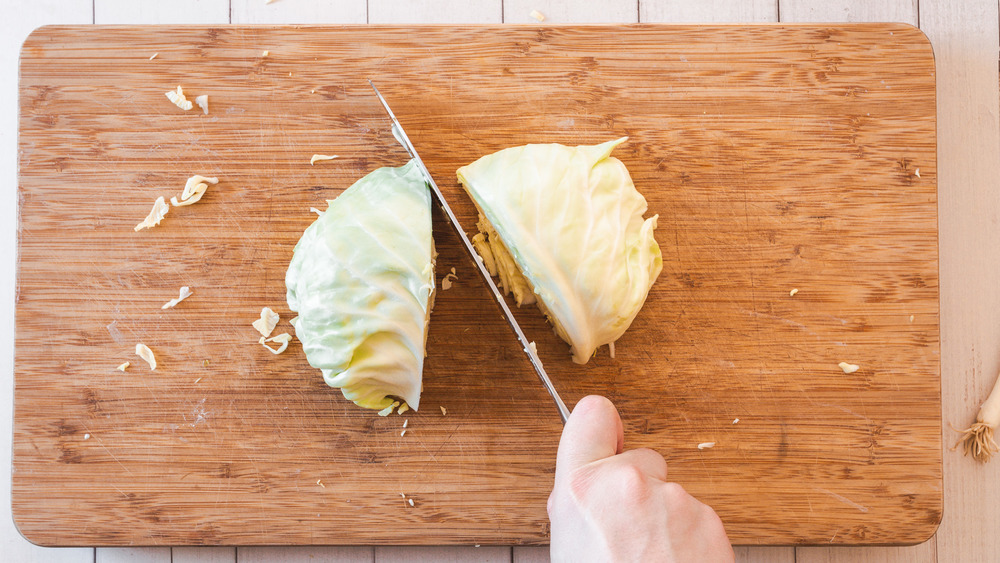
565, 224
362, 281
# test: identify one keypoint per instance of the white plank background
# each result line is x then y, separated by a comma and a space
966, 39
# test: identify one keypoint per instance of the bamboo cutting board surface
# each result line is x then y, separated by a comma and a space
777, 157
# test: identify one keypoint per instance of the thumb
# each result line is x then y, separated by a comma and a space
593, 432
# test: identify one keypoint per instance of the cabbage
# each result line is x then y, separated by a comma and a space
565, 224
362, 280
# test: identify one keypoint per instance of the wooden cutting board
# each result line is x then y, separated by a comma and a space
778, 157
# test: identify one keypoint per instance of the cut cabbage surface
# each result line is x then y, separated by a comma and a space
565, 225
362, 281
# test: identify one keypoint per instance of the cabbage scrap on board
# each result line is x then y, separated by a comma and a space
565, 225
362, 281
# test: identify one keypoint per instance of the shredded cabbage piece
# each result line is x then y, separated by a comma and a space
388, 410
267, 321
157, 214
485, 253
179, 99
318, 157
848, 368
184, 294
282, 339
145, 353
511, 280
194, 188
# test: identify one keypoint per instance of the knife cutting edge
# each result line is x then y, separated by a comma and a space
529, 348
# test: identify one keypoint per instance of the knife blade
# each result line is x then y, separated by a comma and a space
528, 347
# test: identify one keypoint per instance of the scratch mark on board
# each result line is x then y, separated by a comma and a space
116, 334
842, 499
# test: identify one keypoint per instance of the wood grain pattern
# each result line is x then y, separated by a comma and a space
874, 11
969, 140
13, 30
723, 11
776, 157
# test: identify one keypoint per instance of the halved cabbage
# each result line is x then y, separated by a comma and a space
362, 280
565, 224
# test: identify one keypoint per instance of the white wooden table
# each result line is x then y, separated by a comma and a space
966, 39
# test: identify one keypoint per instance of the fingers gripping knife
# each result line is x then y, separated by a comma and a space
529, 349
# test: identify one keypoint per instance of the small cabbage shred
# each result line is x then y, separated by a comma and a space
145, 353
184, 294
156, 215
267, 321
318, 157
361, 279
564, 226
282, 340
179, 99
194, 188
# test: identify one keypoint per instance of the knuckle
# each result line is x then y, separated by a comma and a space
675, 493
652, 458
632, 483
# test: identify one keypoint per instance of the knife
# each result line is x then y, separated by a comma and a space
528, 347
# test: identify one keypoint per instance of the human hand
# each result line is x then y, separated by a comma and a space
612, 505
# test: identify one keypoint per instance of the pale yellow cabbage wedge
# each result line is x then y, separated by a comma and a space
566, 224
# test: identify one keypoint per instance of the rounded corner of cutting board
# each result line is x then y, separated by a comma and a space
27, 531
916, 36
40, 34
